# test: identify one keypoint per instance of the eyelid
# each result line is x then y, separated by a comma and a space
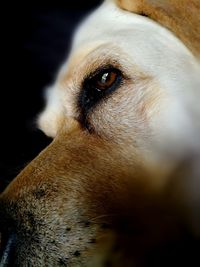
104, 68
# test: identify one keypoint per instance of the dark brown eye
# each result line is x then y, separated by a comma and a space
105, 80
98, 86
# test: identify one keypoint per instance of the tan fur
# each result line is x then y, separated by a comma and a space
99, 194
180, 16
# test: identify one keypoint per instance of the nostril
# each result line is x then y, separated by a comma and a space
7, 249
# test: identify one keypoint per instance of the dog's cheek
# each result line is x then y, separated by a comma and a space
125, 117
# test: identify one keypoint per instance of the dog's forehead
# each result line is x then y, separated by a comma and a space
104, 23
146, 42
110, 24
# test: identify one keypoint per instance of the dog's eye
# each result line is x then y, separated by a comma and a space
105, 79
97, 86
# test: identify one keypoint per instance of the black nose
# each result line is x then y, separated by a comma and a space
7, 251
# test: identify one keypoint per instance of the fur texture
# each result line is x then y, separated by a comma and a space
179, 16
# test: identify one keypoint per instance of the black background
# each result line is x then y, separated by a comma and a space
36, 38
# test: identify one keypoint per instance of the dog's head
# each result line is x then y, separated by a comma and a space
124, 114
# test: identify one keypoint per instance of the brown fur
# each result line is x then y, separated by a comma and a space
180, 16
97, 200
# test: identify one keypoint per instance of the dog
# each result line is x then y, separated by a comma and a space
121, 177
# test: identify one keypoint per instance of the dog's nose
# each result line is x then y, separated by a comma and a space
7, 249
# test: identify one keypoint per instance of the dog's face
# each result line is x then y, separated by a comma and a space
122, 119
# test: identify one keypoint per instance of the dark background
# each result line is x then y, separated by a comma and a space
36, 39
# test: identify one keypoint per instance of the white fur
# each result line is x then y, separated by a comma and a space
158, 53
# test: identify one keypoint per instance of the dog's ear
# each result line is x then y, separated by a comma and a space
182, 17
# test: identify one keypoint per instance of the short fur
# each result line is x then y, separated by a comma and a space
179, 16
